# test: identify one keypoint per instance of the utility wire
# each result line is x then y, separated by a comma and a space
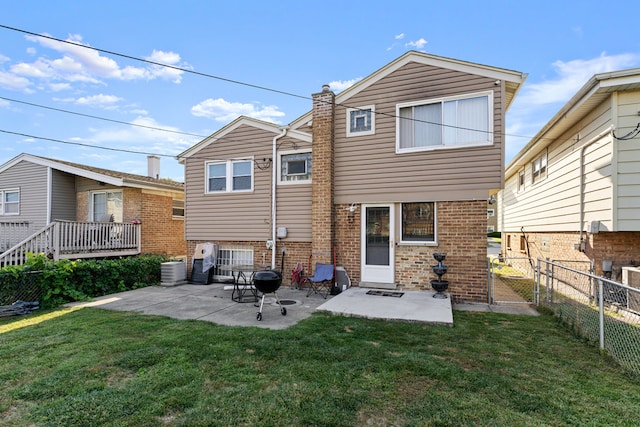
101, 118
86, 145
173, 67
186, 70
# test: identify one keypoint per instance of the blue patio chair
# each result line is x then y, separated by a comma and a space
322, 280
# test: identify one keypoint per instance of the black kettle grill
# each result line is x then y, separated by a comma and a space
268, 282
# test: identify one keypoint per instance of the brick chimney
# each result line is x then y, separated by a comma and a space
322, 209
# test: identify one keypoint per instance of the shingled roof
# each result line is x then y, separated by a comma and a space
99, 174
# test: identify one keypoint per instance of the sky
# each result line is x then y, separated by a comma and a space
111, 105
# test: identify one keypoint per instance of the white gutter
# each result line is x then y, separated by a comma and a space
274, 184
582, 177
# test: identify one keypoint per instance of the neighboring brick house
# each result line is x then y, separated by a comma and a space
573, 192
47, 190
384, 174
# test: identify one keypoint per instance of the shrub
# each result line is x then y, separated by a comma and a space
66, 280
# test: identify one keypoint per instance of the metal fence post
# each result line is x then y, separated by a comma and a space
601, 313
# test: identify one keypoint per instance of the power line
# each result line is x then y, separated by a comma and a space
101, 118
173, 67
185, 70
86, 145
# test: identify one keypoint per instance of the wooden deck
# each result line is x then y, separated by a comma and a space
70, 239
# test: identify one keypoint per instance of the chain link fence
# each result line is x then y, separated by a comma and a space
604, 312
19, 292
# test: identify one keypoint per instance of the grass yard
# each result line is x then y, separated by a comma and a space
94, 367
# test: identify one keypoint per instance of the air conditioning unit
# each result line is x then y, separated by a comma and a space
173, 273
631, 278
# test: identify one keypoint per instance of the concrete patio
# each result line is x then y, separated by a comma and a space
213, 303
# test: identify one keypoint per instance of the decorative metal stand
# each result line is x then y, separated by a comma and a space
440, 269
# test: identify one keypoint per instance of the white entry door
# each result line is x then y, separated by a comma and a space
377, 244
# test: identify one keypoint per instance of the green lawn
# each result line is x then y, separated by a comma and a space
94, 367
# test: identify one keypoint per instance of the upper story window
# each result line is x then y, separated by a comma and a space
229, 176
418, 222
177, 208
521, 180
106, 206
294, 166
539, 168
10, 202
361, 121
445, 123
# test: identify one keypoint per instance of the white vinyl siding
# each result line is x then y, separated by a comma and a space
445, 123
553, 204
628, 164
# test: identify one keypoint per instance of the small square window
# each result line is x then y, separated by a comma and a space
539, 168
295, 167
361, 121
418, 222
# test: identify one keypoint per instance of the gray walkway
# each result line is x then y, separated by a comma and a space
214, 304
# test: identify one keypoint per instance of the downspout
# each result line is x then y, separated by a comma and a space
274, 184
582, 179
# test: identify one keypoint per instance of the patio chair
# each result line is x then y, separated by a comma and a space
322, 280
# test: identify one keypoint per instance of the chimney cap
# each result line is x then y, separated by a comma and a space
326, 88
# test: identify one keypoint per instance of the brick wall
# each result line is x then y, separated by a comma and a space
161, 233
295, 252
322, 209
623, 248
461, 231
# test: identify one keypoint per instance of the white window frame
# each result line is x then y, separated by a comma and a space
228, 175
433, 242
491, 213
443, 100
539, 167
521, 179
372, 121
282, 154
117, 217
4, 203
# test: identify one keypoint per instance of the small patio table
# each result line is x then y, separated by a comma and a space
243, 289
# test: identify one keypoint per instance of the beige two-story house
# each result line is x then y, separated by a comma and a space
378, 177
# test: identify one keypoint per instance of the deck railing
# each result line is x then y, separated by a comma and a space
13, 232
68, 239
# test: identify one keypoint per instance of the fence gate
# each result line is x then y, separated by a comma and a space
513, 281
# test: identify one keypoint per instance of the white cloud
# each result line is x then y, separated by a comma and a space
79, 63
221, 110
399, 36
418, 44
100, 101
340, 85
13, 82
58, 87
4, 58
539, 101
571, 76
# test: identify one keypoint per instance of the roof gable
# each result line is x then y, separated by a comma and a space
120, 179
512, 79
590, 95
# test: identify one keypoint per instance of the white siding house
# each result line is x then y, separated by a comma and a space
573, 192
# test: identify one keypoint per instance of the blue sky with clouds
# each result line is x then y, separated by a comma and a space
288, 46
